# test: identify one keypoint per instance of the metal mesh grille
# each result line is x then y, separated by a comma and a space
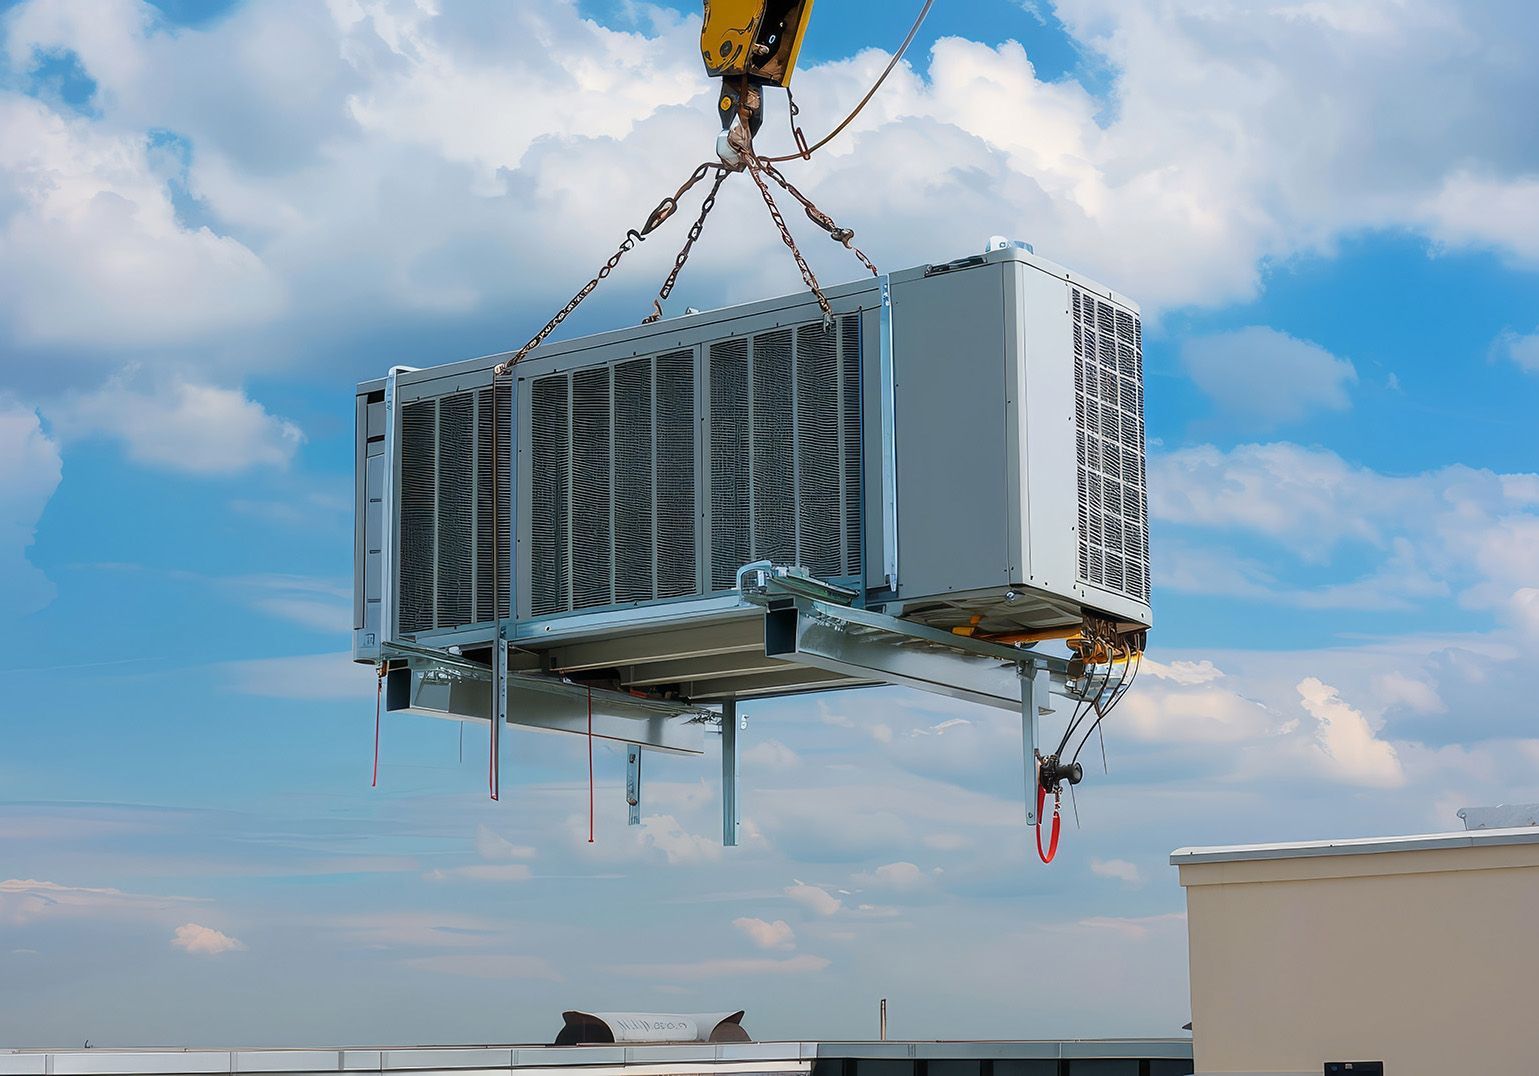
456, 508
483, 515
731, 540
550, 551
850, 399
592, 490
445, 510
634, 552
612, 488
677, 508
419, 495
817, 451
1109, 443
785, 463
773, 451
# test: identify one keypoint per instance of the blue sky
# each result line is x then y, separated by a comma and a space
216, 218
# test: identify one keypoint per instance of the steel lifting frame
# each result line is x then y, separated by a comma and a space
883, 649
806, 623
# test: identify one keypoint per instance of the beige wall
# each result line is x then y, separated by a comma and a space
1425, 959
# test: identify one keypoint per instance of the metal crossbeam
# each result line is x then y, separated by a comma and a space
543, 702
869, 646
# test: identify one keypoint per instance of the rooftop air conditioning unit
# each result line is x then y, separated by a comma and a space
960, 451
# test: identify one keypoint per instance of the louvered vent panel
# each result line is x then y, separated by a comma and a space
731, 539
774, 454
592, 501
550, 456
677, 509
484, 474
446, 512
418, 496
817, 451
456, 508
1109, 444
850, 430
615, 515
785, 451
613, 485
634, 460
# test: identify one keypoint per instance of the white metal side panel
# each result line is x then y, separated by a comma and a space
953, 500
1045, 381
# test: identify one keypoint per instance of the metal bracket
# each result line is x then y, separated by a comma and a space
763, 581
889, 387
388, 520
499, 704
446, 688
876, 647
1036, 701
633, 784
730, 818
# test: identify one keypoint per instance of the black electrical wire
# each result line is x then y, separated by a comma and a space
1137, 663
831, 135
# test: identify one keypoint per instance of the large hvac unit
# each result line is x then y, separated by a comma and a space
959, 452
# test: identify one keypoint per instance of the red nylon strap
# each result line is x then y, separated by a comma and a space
1052, 843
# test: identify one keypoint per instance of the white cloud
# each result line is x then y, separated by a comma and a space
204, 941
93, 252
487, 966
481, 872
814, 898
501, 864
1120, 869
1348, 740
310, 676
416, 930
767, 935
1396, 688
1272, 140
23, 900
1267, 377
899, 877
181, 426
664, 833
495, 847
771, 755
1181, 672
724, 968
1472, 534
1498, 213
1134, 928
30, 470
1521, 349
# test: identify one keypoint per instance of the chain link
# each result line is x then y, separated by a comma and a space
722, 172
843, 236
665, 209
811, 280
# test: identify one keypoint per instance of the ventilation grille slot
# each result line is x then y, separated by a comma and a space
618, 513
785, 451
446, 528
1109, 443
612, 485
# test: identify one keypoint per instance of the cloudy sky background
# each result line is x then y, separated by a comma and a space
216, 217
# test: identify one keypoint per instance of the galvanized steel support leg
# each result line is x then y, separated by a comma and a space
888, 381
633, 784
1036, 700
729, 812
499, 708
